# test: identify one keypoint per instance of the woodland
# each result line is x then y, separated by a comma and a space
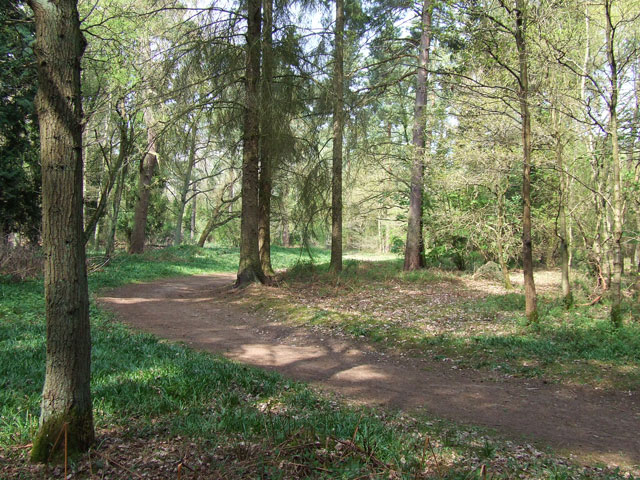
452, 181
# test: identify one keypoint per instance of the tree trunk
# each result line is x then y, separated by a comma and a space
249, 268
124, 151
184, 190
607, 235
335, 265
503, 263
115, 210
561, 224
267, 132
387, 242
531, 307
66, 397
194, 212
286, 237
635, 266
596, 244
616, 280
212, 224
96, 234
414, 249
208, 228
147, 168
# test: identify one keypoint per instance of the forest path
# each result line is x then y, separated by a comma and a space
202, 311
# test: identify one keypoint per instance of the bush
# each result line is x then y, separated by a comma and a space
21, 262
490, 271
397, 245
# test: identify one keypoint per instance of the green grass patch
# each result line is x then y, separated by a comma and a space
185, 260
365, 271
579, 344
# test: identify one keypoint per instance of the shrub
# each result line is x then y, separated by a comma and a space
20, 262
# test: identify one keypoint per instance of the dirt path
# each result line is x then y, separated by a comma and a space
200, 311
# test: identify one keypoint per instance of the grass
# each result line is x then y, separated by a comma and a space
160, 406
184, 260
439, 315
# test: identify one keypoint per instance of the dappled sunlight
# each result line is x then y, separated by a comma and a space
362, 373
275, 355
157, 389
473, 321
134, 300
450, 328
371, 257
547, 281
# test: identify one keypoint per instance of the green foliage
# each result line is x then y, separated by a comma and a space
397, 245
20, 163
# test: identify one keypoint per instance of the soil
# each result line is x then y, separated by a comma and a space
586, 424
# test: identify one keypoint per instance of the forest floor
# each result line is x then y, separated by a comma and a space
584, 420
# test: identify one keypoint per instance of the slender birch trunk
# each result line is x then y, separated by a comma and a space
531, 301
500, 230
194, 212
561, 222
616, 280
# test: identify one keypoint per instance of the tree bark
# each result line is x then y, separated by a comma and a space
267, 132
616, 280
184, 190
531, 307
635, 265
212, 224
194, 212
561, 223
286, 236
414, 249
115, 210
66, 397
503, 264
147, 168
249, 268
114, 171
335, 264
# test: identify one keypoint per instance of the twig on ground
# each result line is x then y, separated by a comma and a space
433, 453
355, 448
300, 465
592, 302
119, 465
55, 444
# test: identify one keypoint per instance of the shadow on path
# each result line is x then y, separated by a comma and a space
200, 311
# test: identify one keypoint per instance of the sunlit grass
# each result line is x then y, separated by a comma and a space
186, 260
